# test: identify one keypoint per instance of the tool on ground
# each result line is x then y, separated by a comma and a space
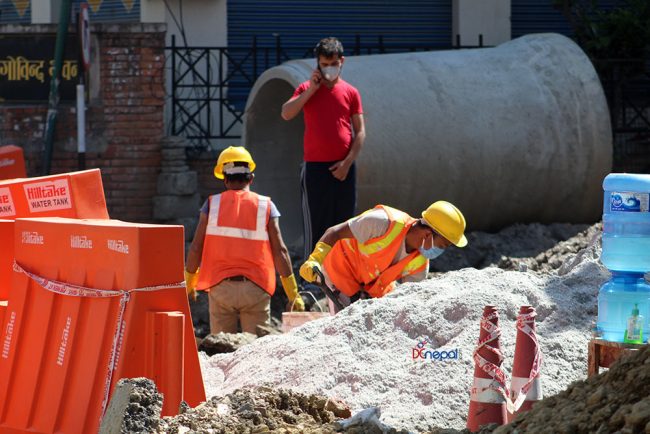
329, 292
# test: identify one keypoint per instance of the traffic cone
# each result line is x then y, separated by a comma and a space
488, 393
525, 387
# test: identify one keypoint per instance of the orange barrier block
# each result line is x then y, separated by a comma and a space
120, 313
6, 256
3, 309
166, 334
74, 194
12, 162
488, 395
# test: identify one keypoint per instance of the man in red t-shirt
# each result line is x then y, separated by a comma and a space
334, 135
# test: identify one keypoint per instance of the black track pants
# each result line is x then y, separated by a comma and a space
326, 201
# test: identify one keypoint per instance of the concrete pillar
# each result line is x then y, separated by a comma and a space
45, 11
490, 18
152, 11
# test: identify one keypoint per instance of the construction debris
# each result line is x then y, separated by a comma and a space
135, 406
225, 342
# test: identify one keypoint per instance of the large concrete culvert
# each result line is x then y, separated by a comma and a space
515, 133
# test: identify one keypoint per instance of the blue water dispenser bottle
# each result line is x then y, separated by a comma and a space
624, 300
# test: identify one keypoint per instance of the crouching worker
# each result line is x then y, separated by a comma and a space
238, 246
368, 253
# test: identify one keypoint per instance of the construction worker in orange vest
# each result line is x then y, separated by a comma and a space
238, 246
369, 252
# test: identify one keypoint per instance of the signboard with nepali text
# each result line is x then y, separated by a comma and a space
27, 64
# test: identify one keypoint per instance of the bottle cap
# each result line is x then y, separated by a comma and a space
635, 311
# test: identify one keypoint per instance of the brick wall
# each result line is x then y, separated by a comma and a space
204, 167
124, 118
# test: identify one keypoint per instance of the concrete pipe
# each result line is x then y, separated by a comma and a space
516, 133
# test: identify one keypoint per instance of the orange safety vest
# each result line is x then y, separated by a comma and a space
237, 240
352, 266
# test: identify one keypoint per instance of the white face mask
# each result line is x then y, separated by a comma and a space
330, 73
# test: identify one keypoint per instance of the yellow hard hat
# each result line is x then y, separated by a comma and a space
447, 220
233, 154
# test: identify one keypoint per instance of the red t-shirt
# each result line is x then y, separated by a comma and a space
328, 121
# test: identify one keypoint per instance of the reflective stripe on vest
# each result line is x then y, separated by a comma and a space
260, 233
397, 222
414, 265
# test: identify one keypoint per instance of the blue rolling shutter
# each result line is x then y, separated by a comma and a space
300, 24
539, 16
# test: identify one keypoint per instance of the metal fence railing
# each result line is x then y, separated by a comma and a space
626, 83
210, 85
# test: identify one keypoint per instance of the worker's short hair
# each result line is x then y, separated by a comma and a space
237, 171
328, 47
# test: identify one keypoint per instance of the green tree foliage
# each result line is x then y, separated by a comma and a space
620, 33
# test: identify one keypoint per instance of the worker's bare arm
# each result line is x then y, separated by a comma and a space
335, 233
196, 248
281, 257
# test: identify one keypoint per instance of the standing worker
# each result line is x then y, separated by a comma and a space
238, 246
371, 251
334, 135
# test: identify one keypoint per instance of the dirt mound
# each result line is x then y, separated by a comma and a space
259, 410
520, 247
135, 406
615, 401
225, 342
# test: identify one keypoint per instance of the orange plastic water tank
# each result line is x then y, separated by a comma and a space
6, 256
12, 162
74, 194
99, 300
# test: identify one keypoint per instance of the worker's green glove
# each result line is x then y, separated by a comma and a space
191, 280
291, 289
315, 260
